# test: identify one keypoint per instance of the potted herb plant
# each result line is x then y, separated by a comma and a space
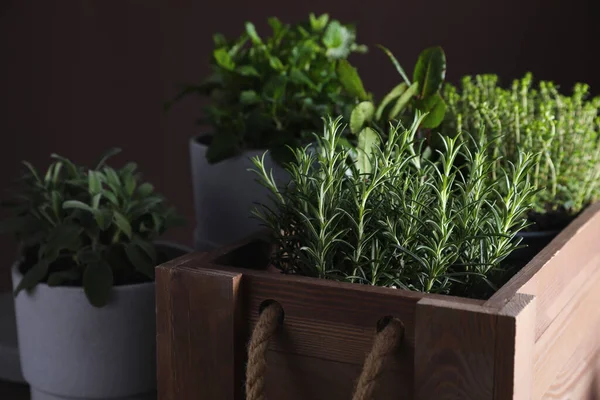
265, 92
84, 284
563, 130
436, 230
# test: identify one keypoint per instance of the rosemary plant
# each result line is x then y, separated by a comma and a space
562, 130
405, 221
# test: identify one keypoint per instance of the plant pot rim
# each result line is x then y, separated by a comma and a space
126, 287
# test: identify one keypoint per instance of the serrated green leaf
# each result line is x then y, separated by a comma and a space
317, 24
33, 276
223, 59
368, 140
435, 106
98, 281
122, 223
361, 114
349, 78
334, 35
430, 71
139, 259
403, 100
391, 96
276, 63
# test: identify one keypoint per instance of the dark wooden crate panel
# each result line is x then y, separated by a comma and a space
537, 338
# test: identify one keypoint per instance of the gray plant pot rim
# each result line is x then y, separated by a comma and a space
128, 286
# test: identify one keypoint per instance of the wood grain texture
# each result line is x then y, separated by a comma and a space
454, 352
557, 273
197, 332
515, 340
575, 326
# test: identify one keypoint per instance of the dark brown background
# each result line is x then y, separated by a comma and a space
80, 76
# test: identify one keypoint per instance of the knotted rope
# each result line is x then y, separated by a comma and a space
268, 321
385, 343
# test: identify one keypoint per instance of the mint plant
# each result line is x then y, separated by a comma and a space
395, 217
268, 92
562, 130
87, 227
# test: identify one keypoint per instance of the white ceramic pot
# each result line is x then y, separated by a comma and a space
225, 194
70, 350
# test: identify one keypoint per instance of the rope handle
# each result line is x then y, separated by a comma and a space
386, 341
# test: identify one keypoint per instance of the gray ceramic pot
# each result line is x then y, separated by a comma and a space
225, 194
70, 350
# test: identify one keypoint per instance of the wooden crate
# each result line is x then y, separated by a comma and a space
536, 338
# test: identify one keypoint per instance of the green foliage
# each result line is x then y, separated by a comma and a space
564, 132
271, 92
422, 95
93, 227
406, 220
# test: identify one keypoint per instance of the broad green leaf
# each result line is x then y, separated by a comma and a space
122, 223
276, 63
247, 70
430, 71
223, 59
129, 183
403, 100
145, 189
148, 247
106, 156
396, 64
139, 259
57, 203
94, 182
435, 106
111, 197
32, 277
391, 96
112, 179
103, 218
350, 79
251, 31
97, 283
77, 204
60, 277
368, 139
72, 168
361, 114
248, 97
317, 24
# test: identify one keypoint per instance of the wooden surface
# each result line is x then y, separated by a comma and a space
537, 338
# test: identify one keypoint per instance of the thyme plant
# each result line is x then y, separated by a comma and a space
562, 130
405, 221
